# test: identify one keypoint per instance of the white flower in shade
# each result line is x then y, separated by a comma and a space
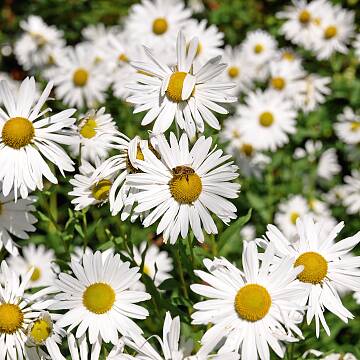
79, 80
266, 119
249, 309
157, 264
38, 258
184, 187
16, 219
36, 45
336, 195
79, 349
181, 94
352, 192
328, 165
239, 70
302, 21
98, 300
286, 77
96, 131
314, 91
16, 312
251, 161
348, 126
156, 24
27, 137
288, 213
326, 264
96, 33
170, 346
210, 40
259, 48
337, 28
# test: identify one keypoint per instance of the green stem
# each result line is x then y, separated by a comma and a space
181, 272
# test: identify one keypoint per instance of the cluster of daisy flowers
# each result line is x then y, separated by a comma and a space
178, 74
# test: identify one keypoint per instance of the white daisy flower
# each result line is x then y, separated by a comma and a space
16, 218
27, 137
184, 186
35, 46
266, 119
157, 264
210, 40
336, 195
16, 312
324, 267
259, 48
79, 80
250, 309
288, 213
96, 131
189, 97
156, 24
238, 70
98, 300
38, 258
79, 349
328, 165
348, 126
352, 192
337, 27
313, 92
170, 347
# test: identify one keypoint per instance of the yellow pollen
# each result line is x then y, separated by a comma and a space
88, 129
146, 270
266, 119
247, 149
11, 318
304, 17
294, 216
236, 134
41, 329
160, 26
355, 126
100, 191
278, 83
80, 77
330, 32
258, 48
36, 274
39, 38
175, 86
185, 185
123, 58
312, 203
233, 71
252, 302
18, 132
99, 298
317, 21
288, 56
315, 267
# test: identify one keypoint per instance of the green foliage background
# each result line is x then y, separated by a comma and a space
61, 228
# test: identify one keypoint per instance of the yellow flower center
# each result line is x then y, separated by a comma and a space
11, 318
278, 83
294, 216
88, 129
99, 298
18, 132
355, 126
160, 26
146, 270
266, 119
233, 71
247, 149
123, 58
41, 329
175, 87
252, 302
186, 185
36, 274
317, 21
304, 17
39, 38
100, 191
80, 77
258, 48
315, 267
330, 32
288, 56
